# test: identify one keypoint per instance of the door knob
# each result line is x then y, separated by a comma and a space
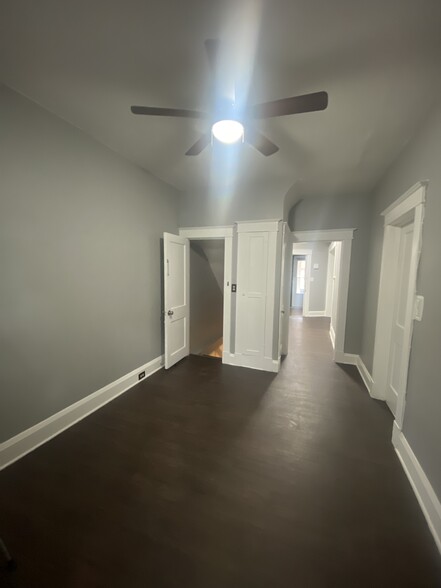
170, 313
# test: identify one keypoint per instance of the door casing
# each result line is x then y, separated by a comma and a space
285, 289
225, 233
397, 353
295, 298
345, 236
303, 250
406, 209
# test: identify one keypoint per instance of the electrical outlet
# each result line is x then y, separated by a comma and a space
141, 375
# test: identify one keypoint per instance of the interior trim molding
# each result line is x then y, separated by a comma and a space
345, 237
365, 376
266, 364
428, 500
354, 359
406, 202
308, 257
202, 233
323, 235
312, 313
332, 336
270, 226
18, 446
346, 358
408, 208
298, 249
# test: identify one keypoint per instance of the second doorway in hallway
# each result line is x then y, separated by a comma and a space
206, 297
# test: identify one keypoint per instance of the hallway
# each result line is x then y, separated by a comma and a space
212, 476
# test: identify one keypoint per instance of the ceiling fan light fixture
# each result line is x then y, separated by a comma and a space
228, 131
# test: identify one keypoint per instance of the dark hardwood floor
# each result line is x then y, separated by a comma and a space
212, 476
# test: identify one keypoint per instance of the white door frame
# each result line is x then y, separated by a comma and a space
408, 208
285, 289
308, 256
345, 236
329, 276
225, 233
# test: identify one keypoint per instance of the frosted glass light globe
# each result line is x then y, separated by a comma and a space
228, 131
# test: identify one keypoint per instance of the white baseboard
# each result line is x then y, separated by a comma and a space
365, 375
332, 337
21, 444
428, 500
346, 358
266, 364
353, 359
312, 313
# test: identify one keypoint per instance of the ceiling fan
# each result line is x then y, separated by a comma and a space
231, 123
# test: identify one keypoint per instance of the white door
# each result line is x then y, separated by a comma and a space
395, 380
251, 293
330, 281
176, 298
335, 291
285, 290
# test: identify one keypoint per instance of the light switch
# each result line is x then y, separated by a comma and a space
315, 266
418, 308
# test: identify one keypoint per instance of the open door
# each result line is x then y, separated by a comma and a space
397, 372
176, 298
285, 290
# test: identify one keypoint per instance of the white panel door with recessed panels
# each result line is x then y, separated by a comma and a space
176, 298
259, 248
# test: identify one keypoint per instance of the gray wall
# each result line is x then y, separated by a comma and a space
206, 297
420, 161
317, 288
80, 295
344, 212
214, 250
247, 202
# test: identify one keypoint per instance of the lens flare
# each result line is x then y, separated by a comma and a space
228, 131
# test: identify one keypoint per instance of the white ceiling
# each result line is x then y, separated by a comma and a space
89, 60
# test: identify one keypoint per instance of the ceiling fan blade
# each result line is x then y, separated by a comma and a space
261, 143
293, 105
200, 145
212, 49
179, 112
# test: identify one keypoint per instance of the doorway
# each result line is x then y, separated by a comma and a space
176, 279
397, 300
304, 239
221, 256
207, 260
298, 282
332, 287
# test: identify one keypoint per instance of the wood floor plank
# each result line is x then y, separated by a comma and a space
216, 476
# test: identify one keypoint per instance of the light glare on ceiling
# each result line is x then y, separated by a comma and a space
228, 131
